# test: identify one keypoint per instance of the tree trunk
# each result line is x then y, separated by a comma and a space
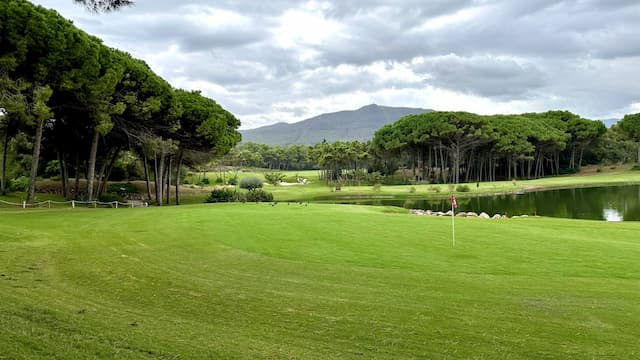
572, 162
100, 176
91, 167
34, 162
103, 184
169, 181
146, 175
76, 186
159, 178
5, 146
178, 168
63, 174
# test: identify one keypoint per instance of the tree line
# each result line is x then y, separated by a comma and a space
70, 98
456, 147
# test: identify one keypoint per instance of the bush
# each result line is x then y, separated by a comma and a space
204, 181
222, 195
122, 188
376, 187
435, 189
258, 195
463, 188
109, 197
636, 168
274, 178
233, 180
119, 171
52, 169
19, 184
250, 183
412, 189
219, 180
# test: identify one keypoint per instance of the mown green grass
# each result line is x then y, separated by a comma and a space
318, 281
317, 190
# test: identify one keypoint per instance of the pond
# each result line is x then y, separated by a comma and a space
611, 203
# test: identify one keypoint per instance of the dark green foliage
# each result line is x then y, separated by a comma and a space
123, 189
258, 195
636, 168
453, 147
52, 170
110, 197
119, 172
233, 180
104, 5
223, 194
19, 184
463, 188
274, 178
250, 183
102, 100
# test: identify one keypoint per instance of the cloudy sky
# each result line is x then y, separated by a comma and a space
286, 60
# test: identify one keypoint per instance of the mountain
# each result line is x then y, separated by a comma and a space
342, 125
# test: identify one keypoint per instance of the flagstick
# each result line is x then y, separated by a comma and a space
453, 224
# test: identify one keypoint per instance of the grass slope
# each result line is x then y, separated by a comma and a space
323, 281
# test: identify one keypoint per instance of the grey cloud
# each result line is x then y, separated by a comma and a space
484, 75
574, 54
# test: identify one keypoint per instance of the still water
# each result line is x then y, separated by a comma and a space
611, 203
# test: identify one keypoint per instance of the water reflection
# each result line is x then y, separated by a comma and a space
612, 215
611, 203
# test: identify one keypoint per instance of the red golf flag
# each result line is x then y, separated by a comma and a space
453, 201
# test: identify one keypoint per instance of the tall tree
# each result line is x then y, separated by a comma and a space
39, 113
630, 125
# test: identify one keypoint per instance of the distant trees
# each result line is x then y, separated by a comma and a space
630, 125
461, 147
87, 103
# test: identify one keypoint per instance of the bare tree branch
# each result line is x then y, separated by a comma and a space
104, 5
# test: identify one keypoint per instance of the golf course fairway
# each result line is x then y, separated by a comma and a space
295, 281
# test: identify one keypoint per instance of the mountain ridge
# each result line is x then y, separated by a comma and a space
344, 125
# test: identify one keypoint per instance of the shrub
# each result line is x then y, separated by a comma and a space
122, 188
204, 181
636, 168
52, 169
376, 178
219, 180
109, 197
259, 195
19, 184
463, 188
412, 189
376, 187
435, 189
222, 195
233, 180
274, 178
119, 171
250, 183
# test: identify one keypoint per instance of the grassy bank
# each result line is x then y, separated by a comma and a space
317, 190
319, 281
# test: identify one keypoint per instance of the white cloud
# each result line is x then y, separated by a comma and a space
286, 60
